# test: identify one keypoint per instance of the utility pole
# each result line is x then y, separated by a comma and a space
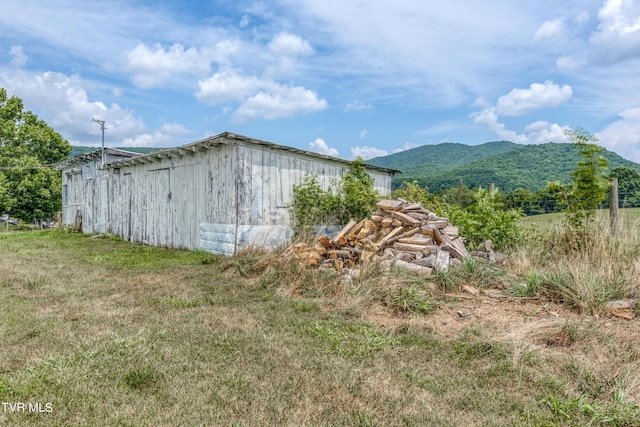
101, 123
613, 204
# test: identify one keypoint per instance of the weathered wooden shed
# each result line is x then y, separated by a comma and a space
221, 194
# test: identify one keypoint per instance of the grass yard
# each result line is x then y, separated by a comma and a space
628, 217
101, 332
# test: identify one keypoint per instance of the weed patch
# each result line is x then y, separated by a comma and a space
352, 340
141, 378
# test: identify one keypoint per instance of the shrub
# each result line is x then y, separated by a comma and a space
351, 197
485, 220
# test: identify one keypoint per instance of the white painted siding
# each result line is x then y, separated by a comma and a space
228, 192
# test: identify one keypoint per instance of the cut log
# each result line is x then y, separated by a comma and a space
454, 246
406, 234
415, 268
426, 261
339, 253
337, 239
417, 239
309, 255
470, 290
406, 256
406, 247
406, 219
396, 231
390, 205
439, 223
411, 207
451, 230
325, 241
427, 230
351, 235
320, 249
442, 261
417, 215
367, 228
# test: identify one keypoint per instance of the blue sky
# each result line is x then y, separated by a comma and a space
342, 77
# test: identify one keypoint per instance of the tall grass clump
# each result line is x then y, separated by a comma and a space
601, 268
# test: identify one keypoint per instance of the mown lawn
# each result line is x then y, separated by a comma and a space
105, 332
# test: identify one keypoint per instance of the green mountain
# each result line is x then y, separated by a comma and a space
79, 149
509, 166
441, 157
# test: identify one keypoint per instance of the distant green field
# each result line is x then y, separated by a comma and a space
628, 216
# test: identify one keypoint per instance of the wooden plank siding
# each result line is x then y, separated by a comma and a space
225, 184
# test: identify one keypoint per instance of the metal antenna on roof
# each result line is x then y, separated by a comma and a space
101, 123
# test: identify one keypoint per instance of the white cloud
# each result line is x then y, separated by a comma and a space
363, 134
174, 129
64, 104
535, 133
539, 95
164, 136
569, 63
541, 132
618, 35
227, 85
406, 146
623, 136
550, 30
18, 58
285, 44
152, 67
356, 105
488, 119
244, 22
367, 152
259, 98
280, 102
287, 49
320, 146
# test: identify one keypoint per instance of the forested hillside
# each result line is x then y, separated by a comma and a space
431, 159
516, 166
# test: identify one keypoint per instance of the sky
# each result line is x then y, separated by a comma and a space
345, 78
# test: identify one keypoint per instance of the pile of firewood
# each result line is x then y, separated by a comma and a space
399, 233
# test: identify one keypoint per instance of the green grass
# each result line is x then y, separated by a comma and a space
628, 216
113, 333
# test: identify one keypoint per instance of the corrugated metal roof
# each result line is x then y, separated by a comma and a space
92, 155
189, 149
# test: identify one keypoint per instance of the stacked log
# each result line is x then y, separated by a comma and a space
398, 233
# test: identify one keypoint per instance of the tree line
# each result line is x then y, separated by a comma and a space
29, 188
546, 200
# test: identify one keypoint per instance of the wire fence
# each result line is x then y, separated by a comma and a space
545, 206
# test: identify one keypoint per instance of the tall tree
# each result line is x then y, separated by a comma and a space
589, 182
28, 188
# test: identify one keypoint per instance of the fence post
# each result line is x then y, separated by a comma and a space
490, 188
613, 204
